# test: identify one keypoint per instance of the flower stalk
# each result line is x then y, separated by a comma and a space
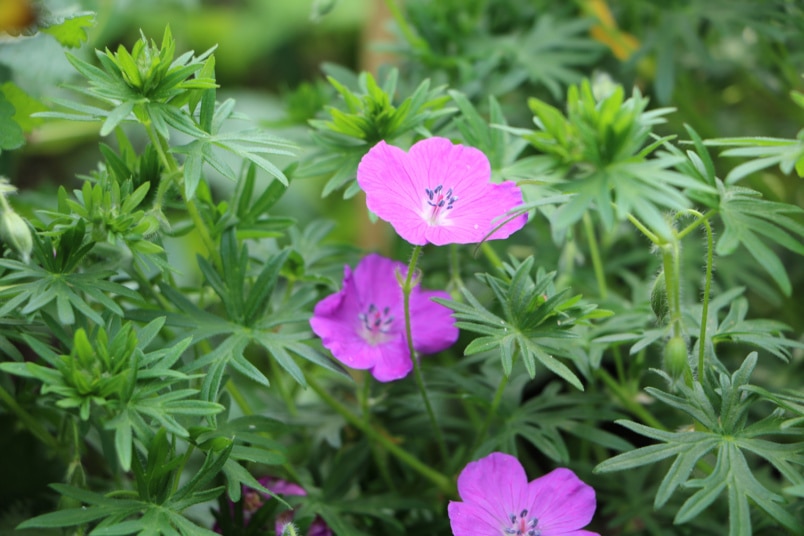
407, 288
439, 480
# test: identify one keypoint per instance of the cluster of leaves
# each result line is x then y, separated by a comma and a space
368, 116
720, 408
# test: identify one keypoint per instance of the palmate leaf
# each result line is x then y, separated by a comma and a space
723, 413
764, 334
552, 53
599, 153
536, 320
765, 152
754, 222
542, 421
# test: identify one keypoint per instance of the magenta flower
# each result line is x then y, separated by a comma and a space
438, 193
253, 500
499, 501
363, 325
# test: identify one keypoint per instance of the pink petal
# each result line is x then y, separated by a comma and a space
391, 193
468, 520
496, 486
281, 487
432, 324
396, 185
392, 361
562, 502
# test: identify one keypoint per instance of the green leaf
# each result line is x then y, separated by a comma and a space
24, 105
71, 32
64, 518
11, 135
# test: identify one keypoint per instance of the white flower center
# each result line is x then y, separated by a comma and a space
375, 325
436, 203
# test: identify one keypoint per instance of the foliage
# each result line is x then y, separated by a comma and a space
155, 346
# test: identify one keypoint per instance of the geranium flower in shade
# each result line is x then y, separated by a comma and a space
253, 500
498, 500
363, 325
438, 193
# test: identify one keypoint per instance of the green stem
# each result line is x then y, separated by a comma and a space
594, 251
495, 404
441, 481
365, 408
238, 397
671, 280
645, 231
618, 363
407, 288
416, 42
492, 256
625, 399
192, 209
701, 218
707, 291
33, 425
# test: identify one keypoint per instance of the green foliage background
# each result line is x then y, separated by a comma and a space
184, 211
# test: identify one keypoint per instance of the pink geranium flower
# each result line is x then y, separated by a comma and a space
498, 501
363, 325
438, 193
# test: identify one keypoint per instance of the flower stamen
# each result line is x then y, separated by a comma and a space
522, 525
376, 324
439, 201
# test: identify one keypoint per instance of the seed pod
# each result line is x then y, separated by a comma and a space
675, 357
15, 232
658, 296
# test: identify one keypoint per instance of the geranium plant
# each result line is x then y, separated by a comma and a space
556, 295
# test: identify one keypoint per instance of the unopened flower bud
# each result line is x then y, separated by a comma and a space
658, 296
675, 357
15, 232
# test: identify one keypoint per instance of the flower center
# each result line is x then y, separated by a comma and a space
522, 525
375, 324
438, 201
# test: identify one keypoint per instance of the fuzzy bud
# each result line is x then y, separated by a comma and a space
675, 357
15, 232
658, 296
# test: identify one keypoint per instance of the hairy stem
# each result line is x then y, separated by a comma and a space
407, 288
172, 166
702, 219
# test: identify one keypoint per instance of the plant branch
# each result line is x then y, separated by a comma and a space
407, 288
440, 480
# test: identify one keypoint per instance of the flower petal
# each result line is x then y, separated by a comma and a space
562, 502
469, 520
392, 361
496, 486
281, 487
376, 281
397, 185
335, 320
432, 325
391, 193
